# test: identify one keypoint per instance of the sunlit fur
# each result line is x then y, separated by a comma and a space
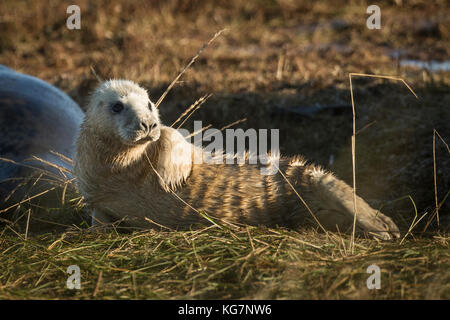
118, 179
137, 107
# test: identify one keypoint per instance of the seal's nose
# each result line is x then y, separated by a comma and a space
143, 125
148, 125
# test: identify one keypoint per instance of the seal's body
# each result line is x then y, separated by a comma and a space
35, 119
130, 166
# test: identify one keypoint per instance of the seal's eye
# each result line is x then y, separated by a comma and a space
150, 105
117, 107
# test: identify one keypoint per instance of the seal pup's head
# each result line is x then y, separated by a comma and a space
121, 109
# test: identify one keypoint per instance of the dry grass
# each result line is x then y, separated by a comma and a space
276, 54
220, 263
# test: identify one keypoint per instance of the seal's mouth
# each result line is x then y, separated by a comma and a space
139, 137
146, 139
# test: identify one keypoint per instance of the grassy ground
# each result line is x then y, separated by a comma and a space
254, 263
275, 54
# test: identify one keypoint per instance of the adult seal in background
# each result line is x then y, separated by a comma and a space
35, 119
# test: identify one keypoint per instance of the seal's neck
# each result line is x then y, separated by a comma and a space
158, 160
119, 156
